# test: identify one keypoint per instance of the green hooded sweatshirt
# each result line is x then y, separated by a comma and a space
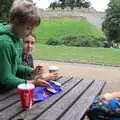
10, 58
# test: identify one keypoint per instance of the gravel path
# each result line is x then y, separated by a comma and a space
108, 73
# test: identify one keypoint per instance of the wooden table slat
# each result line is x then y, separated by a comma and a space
61, 106
65, 79
41, 107
84, 102
12, 111
70, 104
8, 102
8, 94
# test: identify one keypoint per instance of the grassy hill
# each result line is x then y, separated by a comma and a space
59, 28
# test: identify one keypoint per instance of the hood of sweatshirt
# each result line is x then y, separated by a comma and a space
6, 29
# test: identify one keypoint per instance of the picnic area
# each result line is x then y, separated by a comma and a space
71, 35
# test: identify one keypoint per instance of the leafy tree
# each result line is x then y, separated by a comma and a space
62, 4
5, 6
111, 24
86, 4
53, 5
82, 3
72, 3
4, 9
78, 3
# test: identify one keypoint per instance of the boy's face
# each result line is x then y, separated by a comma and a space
28, 44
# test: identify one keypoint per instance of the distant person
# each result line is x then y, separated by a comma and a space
27, 59
24, 17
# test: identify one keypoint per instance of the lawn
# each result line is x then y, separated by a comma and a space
59, 28
106, 56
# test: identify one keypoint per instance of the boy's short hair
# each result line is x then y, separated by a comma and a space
24, 12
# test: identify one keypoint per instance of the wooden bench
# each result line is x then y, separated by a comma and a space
70, 104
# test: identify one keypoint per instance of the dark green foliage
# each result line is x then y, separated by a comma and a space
62, 4
52, 41
86, 4
70, 3
104, 44
53, 5
78, 41
81, 41
4, 9
111, 24
5, 6
82, 3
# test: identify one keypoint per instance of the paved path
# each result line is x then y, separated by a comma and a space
110, 74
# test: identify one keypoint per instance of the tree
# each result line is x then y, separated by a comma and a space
86, 4
78, 3
5, 6
111, 24
4, 9
72, 4
53, 5
82, 3
62, 4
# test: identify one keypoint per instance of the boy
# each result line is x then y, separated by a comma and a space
24, 18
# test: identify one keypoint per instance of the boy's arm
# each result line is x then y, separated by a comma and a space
115, 94
24, 69
112, 95
7, 60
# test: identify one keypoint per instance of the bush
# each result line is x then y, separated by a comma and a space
81, 41
104, 44
78, 41
52, 41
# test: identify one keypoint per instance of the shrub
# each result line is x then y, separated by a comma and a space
104, 44
82, 41
78, 41
52, 41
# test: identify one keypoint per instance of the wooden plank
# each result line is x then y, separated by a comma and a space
41, 107
64, 79
63, 104
16, 109
9, 102
10, 111
77, 111
7, 94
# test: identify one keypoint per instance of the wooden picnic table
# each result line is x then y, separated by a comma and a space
70, 104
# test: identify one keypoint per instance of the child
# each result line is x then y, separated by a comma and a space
27, 59
105, 108
24, 17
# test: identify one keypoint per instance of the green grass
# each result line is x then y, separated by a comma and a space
59, 28
106, 56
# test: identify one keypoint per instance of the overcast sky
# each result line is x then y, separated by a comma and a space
99, 5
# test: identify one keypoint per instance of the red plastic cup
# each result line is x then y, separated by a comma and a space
26, 92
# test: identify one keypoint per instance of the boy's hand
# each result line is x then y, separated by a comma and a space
40, 83
50, 76
39, 70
